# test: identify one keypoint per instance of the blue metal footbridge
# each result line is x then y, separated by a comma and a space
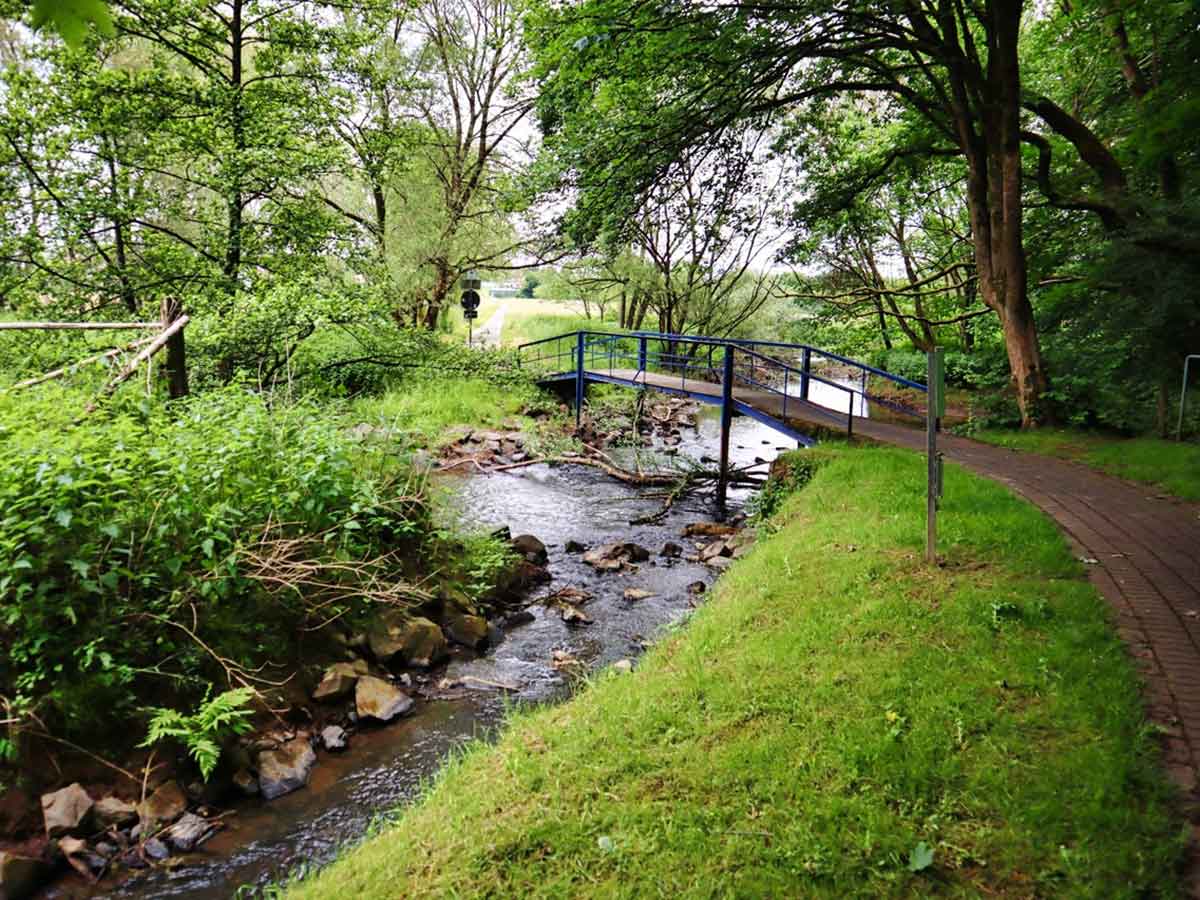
787, 387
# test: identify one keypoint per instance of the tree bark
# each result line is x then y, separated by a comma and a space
235, 200
993, 154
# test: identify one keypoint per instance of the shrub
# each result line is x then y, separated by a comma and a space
122, 535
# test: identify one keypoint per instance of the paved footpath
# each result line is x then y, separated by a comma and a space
1146, 548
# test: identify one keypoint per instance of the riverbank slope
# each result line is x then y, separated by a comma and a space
838, 720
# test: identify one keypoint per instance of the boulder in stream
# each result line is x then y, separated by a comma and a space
66, 811
611, 557
338, 681
286, 769
189, 832
407, 640
716, 548
531, 548
468, 630
162, 807
671, 550
378, 699
112, 812
573, 615
709, 529
156, 850
637, 594
333, 738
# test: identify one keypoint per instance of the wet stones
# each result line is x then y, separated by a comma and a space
66, 811
671, 550
338, 681
613, 557
575, 547
531, 548
573, 615
377, 699
696, 588
709, 529
333, 738
716, 548
189, 832
466, 629
485, 448
111, 812
162, 807
410, 641
637, 594
156, 850
286, 769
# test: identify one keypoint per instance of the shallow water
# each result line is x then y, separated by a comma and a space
385, 767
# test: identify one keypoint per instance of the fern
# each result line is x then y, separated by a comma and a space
202, 731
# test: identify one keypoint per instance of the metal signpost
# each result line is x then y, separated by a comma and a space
933, 414
471, 284
1187, 361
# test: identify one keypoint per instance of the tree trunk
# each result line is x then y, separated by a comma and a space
442, 282
235, 200
993, 155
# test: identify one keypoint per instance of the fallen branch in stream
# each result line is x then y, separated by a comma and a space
679, 483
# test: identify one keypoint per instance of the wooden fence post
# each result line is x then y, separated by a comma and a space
175, 366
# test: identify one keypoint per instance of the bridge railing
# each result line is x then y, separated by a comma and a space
792, 372
790, 383
902, 395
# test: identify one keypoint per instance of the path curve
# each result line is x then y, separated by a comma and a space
1146, 552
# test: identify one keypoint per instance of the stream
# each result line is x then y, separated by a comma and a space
386, 767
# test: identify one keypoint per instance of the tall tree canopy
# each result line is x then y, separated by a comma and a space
626, 86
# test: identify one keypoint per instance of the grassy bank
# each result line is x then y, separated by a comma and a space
1172, 466
837, 721
425, 414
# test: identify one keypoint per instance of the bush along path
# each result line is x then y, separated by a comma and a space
193, 601
839, 720
1141, 549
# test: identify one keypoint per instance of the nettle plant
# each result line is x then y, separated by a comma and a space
123, 540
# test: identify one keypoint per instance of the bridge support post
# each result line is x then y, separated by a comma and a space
726, 421
805, 368
642, 353
579, 382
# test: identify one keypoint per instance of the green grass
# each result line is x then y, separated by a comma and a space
532, 320
835, 705
424, 412
1172, 466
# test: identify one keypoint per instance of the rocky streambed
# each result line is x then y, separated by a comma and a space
409, 693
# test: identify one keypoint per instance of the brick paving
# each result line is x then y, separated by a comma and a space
1146, 552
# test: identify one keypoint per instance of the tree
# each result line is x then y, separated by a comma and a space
472, 110
172, 159
898, 251
948, 74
